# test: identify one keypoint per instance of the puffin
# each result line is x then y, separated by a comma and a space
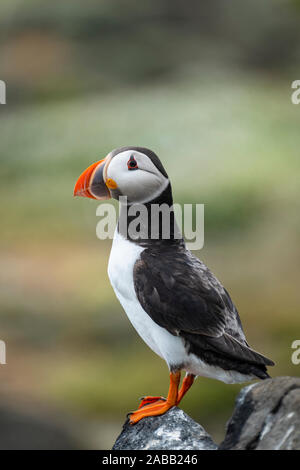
175, 303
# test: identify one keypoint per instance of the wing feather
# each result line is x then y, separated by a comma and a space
181, 294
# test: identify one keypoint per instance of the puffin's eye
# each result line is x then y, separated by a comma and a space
132, 164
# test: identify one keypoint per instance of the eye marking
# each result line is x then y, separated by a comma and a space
132, 164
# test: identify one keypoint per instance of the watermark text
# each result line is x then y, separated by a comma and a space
2, 352
296, 354
2, 92
295, 96
154, 222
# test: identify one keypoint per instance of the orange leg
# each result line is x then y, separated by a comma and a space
186, 385
159, 407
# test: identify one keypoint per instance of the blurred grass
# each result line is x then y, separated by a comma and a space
233, 147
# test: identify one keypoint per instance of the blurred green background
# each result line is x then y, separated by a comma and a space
206, 85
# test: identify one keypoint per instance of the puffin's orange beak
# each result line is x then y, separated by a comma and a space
91, 183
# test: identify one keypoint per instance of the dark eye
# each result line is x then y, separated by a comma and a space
132, 164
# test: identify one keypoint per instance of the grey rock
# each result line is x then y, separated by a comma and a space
174, 430
266, 417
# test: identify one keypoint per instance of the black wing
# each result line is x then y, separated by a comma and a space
181, 294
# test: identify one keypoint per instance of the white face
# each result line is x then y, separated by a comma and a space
141, 184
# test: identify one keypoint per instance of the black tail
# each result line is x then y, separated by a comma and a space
229, 354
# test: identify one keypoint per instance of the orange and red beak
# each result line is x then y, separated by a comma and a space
92, 182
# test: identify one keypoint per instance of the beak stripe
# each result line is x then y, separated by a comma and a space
83, 183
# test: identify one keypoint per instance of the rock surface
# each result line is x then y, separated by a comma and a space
174, 430
266, 417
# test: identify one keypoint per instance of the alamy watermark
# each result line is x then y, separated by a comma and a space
295, 96
154, 222
2, 92
296, 354
2, 352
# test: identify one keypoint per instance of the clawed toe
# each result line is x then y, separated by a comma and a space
158, 408
154, 406
150, 400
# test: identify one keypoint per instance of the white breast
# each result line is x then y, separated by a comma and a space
120, 271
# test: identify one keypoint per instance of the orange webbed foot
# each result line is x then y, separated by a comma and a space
158, 408
149, 400
150, 406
